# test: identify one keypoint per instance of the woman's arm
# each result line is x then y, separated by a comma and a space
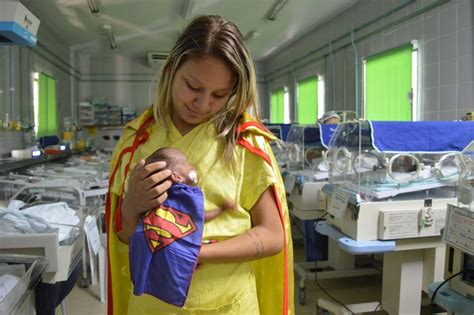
144, 193
264, 239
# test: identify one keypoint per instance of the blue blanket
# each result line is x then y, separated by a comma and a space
165, 246
421, 136
326, 132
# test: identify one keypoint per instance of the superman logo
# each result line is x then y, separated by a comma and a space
165, 225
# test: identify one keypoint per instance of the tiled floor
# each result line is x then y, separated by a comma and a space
348, 290
84, 302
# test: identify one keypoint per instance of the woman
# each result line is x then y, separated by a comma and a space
205, 87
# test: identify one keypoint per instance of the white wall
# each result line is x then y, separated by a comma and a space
127, 81
445, 34
261, 90
122, 80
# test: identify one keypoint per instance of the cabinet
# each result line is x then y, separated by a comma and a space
102, 114
86, 114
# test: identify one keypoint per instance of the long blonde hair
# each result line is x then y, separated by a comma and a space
213, 35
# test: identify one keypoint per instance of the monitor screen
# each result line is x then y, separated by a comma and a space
468, 264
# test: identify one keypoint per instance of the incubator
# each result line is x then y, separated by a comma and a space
19, 274
53, 231
307, 169
76, 182
393, 180
280, 131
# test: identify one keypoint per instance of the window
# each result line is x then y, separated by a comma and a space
310, 94
307, 109
280, 109
390, 84
44, 104
286, 106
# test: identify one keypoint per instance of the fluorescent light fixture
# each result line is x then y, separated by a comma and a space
93, 6
251, 35
187, 9
110, 36
275, 9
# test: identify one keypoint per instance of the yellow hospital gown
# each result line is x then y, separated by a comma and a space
216, 288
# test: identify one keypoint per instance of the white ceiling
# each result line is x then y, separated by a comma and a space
140, 26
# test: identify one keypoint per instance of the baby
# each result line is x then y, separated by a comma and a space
165, 245
183, 172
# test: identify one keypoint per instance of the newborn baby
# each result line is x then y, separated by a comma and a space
167, 240
184, 172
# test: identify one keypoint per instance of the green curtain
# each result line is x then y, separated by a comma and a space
47, 110
308, 101
388, 82
277, 107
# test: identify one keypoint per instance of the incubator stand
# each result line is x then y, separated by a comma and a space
303, 148
307, 173
23, 273
390, 183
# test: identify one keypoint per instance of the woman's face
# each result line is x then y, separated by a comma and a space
200, 89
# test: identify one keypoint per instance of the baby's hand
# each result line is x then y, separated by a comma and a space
228, 204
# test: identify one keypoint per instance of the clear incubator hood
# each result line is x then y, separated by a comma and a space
384, 159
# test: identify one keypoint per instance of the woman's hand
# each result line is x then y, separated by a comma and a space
264, 239
147, 186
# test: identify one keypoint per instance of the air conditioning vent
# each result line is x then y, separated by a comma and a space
156, 58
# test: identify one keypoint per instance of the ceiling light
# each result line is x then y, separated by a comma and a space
251, 35
275, 9
110, 36
93, 6
187, 9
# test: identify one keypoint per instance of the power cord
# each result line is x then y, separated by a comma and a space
432, 304
377, 308
326, 292
322, 216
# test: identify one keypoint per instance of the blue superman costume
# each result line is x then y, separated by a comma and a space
263, 286
165, 245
